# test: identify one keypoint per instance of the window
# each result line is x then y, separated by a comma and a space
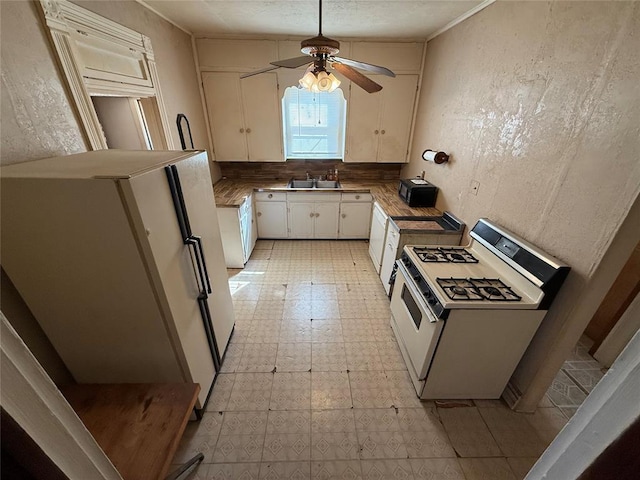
314, 124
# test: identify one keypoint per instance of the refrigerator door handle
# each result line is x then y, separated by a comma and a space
178, 201
202, 264
206, 319
200, 274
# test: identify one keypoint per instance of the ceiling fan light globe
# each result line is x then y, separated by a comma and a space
335, 83
307, 80
324, 82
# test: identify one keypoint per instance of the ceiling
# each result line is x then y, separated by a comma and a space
370, 19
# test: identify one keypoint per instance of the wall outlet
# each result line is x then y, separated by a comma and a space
475, 185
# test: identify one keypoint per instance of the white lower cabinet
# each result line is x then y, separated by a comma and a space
326, 220
379, 222
271, 215
313, 215
355, 215
238, 232
301, 219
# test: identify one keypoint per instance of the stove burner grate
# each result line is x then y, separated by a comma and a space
444, 255
491, 289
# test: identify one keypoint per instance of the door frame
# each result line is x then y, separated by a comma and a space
66, 23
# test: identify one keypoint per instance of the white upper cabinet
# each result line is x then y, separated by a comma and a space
379, 124
244, 116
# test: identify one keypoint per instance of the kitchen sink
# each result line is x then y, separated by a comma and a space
327, 184
300, 184
313, 183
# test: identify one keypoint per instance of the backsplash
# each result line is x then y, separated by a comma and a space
299, 168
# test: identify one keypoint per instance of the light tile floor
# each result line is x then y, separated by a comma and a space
314, 386
575, 380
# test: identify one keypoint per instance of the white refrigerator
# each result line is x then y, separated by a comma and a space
118, 255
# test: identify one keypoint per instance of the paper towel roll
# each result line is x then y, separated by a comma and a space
437, 157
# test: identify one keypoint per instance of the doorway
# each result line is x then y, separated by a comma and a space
130, 123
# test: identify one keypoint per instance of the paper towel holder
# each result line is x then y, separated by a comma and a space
434, 156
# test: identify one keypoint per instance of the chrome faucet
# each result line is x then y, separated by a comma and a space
308, 176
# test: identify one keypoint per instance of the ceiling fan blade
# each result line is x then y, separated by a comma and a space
356, 77
256, 72
293, 62
365, 66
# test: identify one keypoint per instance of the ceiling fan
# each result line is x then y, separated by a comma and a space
322, 51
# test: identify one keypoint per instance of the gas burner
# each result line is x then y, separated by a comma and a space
458, 255
444, 255
491, 289
494, 289
459, 289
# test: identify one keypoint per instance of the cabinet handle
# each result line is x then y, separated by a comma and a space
357, 197
259, 214
242, 130
382, 132
312, 215
317, 214
248, 130
270, 195
344, 215
375, 131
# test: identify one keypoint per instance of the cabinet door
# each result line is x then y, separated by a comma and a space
326, 220
271, 218
224, 108
396, 116
355, 220
263, 129
253, 226
363, 115
301, 219
245, 233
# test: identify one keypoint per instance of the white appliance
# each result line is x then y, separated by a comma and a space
463, 317
442, 230
118, 255
377, 235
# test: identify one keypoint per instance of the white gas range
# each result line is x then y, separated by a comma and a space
464, 316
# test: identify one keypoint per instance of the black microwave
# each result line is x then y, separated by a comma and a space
417, 192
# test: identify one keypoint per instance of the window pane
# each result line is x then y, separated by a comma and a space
314, 123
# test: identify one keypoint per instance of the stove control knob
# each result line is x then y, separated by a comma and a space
431, 301
406, 261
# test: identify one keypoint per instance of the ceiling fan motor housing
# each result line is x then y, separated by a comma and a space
320, 45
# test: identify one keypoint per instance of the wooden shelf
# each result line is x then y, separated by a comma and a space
138, 426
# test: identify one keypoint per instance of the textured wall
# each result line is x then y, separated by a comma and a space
539, 102
37, 119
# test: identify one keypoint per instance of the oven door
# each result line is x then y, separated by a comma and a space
417, 328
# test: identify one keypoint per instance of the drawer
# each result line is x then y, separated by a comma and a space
313, 197
357, 197
270, 196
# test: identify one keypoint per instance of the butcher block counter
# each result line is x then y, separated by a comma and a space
232, 193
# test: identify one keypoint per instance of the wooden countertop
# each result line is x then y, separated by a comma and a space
138, 426
232, 193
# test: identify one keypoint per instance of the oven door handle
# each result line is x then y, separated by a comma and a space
415, 293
